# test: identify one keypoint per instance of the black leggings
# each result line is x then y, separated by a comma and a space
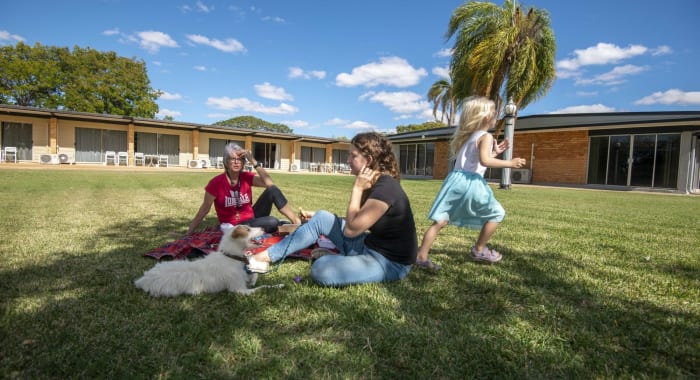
263, 207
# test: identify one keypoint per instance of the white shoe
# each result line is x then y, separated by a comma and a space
257, 266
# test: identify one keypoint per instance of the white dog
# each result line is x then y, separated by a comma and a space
223, 269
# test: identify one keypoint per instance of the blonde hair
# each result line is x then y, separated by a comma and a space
476, 111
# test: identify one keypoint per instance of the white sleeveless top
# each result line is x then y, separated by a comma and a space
468, 155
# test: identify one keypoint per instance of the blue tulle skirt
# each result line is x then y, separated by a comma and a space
466, 200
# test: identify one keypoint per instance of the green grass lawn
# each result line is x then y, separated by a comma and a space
593, 284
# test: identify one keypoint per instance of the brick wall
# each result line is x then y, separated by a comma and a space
441, 159
559, 157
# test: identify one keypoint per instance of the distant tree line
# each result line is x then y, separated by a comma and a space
250, 122
420, 127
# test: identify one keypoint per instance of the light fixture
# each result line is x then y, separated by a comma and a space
511, 108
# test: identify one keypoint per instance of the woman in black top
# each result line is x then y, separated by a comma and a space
376, 239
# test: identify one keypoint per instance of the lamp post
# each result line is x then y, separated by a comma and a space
508, 154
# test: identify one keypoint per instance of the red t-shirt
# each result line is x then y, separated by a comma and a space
228, 209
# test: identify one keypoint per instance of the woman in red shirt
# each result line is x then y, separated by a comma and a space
232, 196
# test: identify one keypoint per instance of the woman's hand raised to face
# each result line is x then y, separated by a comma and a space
365, 178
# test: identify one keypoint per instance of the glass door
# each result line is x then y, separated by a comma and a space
618, 160
643, 153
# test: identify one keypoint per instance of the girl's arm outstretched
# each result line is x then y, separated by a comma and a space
486, 142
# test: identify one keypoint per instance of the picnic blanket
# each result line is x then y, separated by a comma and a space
204, 242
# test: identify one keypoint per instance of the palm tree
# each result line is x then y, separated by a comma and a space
501, 53
441, 94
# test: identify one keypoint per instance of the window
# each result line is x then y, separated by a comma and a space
416, 159
92, 143
667, 160
217, 147
340, 156
18, 135
649, 160
158, 144
312, 155
266, 154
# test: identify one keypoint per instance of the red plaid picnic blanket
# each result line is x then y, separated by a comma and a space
197, 244
207, 241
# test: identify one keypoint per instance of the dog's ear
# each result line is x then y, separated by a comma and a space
240, 231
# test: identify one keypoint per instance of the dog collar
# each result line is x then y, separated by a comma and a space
235, 257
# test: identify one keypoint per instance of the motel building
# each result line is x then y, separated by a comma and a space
654, 151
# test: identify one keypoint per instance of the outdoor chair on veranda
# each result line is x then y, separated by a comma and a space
111, 155
123, 158
139, 158
10, 153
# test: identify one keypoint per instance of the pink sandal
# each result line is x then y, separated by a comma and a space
487, 255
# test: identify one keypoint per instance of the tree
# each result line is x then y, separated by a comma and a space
106, 83
29, 76
501, 53
250, 122
420, 127
441, 94
83, 80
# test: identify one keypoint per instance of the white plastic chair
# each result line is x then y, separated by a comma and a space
219, 162
111, 155
10, 153
139, 158
123, 157
163, 160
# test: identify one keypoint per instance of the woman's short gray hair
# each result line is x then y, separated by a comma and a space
232, 148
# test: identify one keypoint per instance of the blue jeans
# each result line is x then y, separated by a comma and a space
354, 264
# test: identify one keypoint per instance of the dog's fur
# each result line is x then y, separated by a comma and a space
213, 273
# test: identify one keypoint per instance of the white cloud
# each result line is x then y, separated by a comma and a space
593, 108
336, 121
111, 32
447, 52
614, 76
152, 41
402, 102
201, 7
673, 96
441, 71
268, 91
391, 71
200, 68
163, 112
298, 72
229, 45
226, 103
168, 96
296, 123
6, 36
601, 54
363, 125
586, 93
218, 116
662, 50
273, 19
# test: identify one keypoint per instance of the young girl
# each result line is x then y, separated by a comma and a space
465, 199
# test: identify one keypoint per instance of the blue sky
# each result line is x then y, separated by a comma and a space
330, 68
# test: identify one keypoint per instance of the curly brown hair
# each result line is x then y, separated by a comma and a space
377, 147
